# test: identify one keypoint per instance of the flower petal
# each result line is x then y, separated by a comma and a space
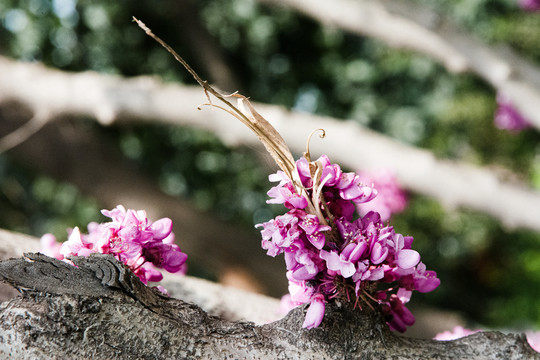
407, 258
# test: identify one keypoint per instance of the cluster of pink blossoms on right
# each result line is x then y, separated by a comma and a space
331, 253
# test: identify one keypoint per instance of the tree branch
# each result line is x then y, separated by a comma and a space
97, 169
403, 24
99, 310
111, 99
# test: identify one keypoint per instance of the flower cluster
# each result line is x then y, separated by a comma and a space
391, 198
144, 246
332, 254
529, 5
507, 117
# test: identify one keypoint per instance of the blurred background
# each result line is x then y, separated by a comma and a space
275, 54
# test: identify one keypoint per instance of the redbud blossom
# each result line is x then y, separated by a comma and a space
332, 254
391, 198
530, 5
315, 312
507, 117
145, 247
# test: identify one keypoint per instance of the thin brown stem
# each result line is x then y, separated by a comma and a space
24, 132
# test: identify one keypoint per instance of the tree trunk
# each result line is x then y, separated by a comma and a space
100, 310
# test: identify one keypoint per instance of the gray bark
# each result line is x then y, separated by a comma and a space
100, 310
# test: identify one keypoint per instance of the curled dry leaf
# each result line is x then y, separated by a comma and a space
271, 139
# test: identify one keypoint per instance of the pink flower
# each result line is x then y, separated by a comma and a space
530, 5
327, 262
391, 197
145, 247
533, 338
399, 316
457, 333
424, 280
75, 245
315, 312
287, 196
338, 263
507, 117
351, 188
50, 247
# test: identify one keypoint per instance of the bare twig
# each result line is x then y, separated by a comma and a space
25, 131
252, 119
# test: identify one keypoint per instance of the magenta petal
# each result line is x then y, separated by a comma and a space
117, 214
314, 314
407, 258
302, 273
302, 166
345, 181
367, 194
347, 251
317, 240
407, 316
375, 274
332, 259
351, 192
297, 201
347, 269
427, 283
161, 228
379, 254
173, 261
358, 251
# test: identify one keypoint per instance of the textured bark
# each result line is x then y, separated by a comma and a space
224, 301
100, 310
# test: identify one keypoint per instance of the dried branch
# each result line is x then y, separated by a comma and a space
251, 118
404, 24
24, 132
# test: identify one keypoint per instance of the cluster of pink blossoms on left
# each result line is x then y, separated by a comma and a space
144, 246
332, 253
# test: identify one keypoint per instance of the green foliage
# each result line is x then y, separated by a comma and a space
37, 204
489, 273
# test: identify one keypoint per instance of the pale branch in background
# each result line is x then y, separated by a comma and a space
404, 24
112, 99
70, 152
